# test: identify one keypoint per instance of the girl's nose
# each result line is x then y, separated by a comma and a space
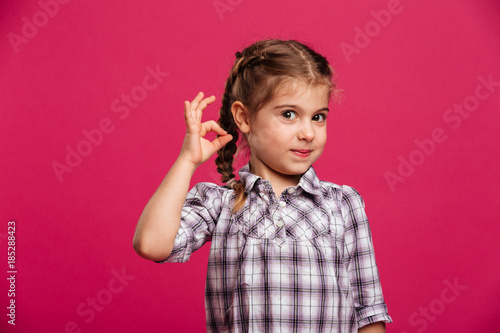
306, 132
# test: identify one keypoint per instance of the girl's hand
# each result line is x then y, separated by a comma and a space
196, 149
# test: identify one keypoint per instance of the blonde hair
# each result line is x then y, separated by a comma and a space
258, 71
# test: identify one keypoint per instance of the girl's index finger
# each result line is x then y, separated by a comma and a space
212, 126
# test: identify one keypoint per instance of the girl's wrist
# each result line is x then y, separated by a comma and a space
185, 164
181, 172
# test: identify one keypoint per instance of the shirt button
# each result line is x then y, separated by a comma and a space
282, 204
279, 223
291, 190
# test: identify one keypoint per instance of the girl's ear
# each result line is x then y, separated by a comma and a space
241, 116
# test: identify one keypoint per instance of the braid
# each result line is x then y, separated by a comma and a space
225, 156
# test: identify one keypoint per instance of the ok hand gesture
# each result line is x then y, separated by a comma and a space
195, 148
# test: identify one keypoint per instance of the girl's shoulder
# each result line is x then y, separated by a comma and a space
340, 193
210, 187
326, 189
209, 191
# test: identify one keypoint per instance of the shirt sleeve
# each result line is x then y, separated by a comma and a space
199, 215
361, 265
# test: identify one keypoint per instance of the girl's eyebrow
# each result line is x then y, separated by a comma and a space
297, 107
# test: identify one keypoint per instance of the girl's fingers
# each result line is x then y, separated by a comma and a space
196, 101
188, 115
202, 106
221, 141
187, 110
212, 126
204, 103
199, 104
193, 112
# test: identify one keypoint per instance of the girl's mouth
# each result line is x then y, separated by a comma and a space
302, 152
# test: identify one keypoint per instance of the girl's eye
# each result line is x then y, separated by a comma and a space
319, 117
289, 114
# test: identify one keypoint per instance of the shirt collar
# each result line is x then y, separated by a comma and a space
309, 181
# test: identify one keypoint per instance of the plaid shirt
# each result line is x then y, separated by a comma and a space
303, 262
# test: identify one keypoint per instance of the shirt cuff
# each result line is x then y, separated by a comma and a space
372, 314
179, 253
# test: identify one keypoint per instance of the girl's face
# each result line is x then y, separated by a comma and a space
288, 134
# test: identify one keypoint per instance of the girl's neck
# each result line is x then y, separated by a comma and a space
279, 181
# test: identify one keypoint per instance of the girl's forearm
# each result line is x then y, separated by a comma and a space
159, 222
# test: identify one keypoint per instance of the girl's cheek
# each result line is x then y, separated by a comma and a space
262, 139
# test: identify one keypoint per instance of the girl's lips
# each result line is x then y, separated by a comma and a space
302, 152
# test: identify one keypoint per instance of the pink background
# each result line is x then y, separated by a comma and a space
433, 225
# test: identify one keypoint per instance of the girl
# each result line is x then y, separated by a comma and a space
289, 253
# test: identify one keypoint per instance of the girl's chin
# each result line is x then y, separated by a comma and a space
296, 170
294, 167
